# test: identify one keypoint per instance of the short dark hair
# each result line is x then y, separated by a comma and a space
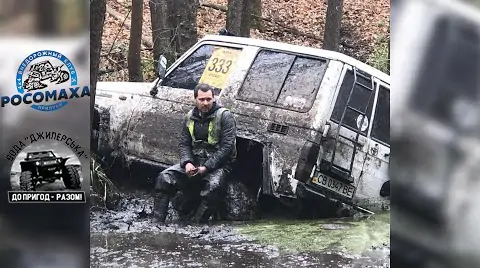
203, 88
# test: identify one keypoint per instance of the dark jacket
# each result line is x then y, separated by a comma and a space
227, 139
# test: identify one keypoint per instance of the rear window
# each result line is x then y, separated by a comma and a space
362, 100
381, 121
447, 90
283, 80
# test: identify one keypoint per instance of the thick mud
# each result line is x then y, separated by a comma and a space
129, 237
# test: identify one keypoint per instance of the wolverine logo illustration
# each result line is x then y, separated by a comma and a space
42, 71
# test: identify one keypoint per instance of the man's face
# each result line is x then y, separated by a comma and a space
204, 101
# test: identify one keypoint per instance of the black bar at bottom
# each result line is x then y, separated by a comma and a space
46, 197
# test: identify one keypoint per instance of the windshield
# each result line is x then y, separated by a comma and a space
40, 155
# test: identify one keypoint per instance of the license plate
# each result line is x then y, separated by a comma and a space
334, 185
49, 162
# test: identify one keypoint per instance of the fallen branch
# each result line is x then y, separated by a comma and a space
214, 6
142, 49
106, 71
146, 42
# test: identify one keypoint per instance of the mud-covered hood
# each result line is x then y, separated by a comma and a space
125, 87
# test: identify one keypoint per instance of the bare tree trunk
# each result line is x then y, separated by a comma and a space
98, 9
257, 12
239, 18
46, 21
182, 22
188, 25
160, 33
134, 59
333, 23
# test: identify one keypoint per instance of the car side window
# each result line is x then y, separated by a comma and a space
381, 121
187, 74
361, 100
283, 80
447, 88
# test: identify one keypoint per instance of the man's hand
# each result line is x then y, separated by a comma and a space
190, 169
202, 170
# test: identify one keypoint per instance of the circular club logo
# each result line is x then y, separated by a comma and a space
46, 80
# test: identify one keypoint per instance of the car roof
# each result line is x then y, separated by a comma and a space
39, 152
327, 54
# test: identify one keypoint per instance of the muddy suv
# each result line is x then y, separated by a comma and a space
309, 121
44, 166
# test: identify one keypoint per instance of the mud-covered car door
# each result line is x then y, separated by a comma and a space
375, 168
159, 131
342, 163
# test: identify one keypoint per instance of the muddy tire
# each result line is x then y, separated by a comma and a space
71, 178
26, 181
63, 77
385, 190
240, 205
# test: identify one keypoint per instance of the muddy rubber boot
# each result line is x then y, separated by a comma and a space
161, 207
200, 213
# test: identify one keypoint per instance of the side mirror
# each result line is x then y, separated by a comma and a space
162, 66
161, 70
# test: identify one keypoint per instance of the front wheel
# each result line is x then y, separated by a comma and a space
26, 181
71, 178
240, 204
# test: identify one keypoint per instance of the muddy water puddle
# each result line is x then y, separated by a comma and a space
130, 238
173, 250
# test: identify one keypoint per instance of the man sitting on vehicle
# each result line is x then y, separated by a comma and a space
207, 152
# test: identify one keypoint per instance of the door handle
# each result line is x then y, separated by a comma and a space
326, 130
360, 143
374, 150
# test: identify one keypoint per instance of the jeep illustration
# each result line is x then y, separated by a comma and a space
42, 71
44, 166
312, 124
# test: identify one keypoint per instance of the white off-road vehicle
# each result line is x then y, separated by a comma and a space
435, 133
309, 121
